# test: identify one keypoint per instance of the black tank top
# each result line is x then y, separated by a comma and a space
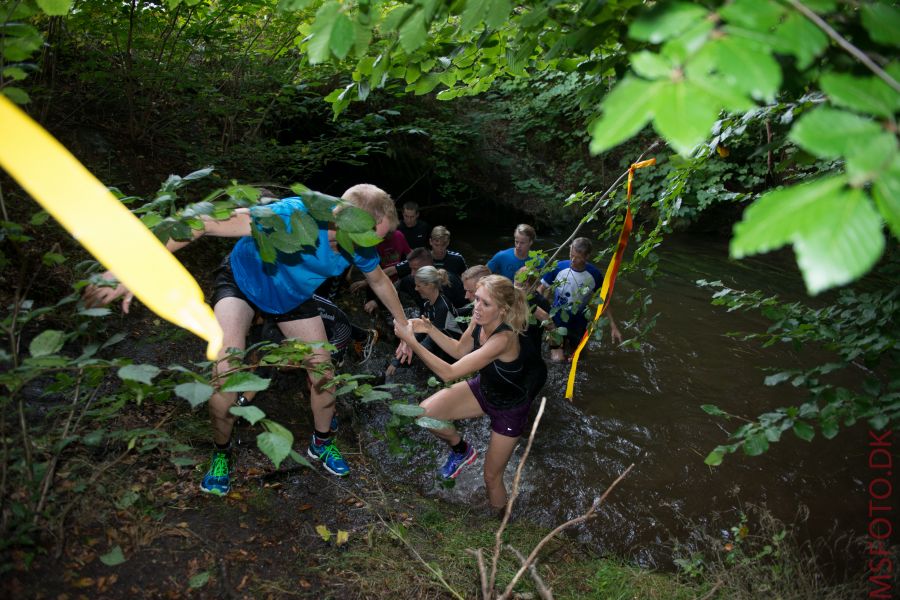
503, 383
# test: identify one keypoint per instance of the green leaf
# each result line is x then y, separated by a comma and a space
804, 431
292, 5
761, 15
320, 206
55, 8
300, 459
243, 381
797, 36
651, 65
829, 133
366, 239
684, 115
748, 65
777, 378
412, 32
429, 423
866, 159
353, 219
714, 458
865, 94
343, 36
626, 110
836, 232
882, 21
14, 73
17, 95
406, 410
265, 245
755, 444
47, 342
712, 409
829, 428
275, 443
666, 20
497, 12
473, 14
344, 241
142, 373
113, 557
886, 191
252, 413
194, 392
198, 580
319, 47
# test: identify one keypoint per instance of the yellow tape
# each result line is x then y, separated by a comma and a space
102, 224
609, 278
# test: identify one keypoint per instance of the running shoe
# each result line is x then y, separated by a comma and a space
456, 461
217, 480
329, 455
334, 424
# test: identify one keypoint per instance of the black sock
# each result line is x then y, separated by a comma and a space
461, 448
321, 438
224, 447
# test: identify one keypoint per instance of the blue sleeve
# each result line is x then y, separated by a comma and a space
550, 277
366, 259
598, 276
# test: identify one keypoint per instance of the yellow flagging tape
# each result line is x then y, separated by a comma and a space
102, 224
609, 280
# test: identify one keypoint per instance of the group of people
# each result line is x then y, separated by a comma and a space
496, 357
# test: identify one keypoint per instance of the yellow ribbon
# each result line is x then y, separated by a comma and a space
102, 224
609, 280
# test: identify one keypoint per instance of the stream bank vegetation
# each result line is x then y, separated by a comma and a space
778, 115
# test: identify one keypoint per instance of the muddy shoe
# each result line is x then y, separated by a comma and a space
456, 461
218, 480
330, 457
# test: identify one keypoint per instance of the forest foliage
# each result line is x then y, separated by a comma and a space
785, 107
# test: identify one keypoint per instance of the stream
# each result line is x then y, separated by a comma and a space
643, 407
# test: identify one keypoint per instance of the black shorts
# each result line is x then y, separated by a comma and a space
227, 287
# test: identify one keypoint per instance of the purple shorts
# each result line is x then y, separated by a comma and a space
509, 421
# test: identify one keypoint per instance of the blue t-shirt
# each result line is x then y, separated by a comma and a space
291, 280
506, 263
573, 291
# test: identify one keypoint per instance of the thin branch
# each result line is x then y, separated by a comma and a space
542, 588
595, 208
843, 43
714, 589
482, 572
418, 556
512, 497
588, 515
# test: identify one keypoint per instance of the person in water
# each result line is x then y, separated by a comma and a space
283, 290
508, 375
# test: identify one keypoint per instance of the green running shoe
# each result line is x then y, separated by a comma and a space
217, 480
330, 457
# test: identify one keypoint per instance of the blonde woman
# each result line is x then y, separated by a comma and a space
508, 374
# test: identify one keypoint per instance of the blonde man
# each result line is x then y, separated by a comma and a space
282, 291
507, 262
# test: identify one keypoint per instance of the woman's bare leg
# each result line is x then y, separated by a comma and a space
449, 404
499, 450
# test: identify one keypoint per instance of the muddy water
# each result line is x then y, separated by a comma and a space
643, 407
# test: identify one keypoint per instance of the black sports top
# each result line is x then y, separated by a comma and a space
502, 383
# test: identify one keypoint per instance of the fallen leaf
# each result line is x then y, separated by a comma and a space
323, 532
305, 584
342, 537
303, 507
84, 582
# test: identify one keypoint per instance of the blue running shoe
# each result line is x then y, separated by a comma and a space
217, 480
334, 424
456, 462
330, 457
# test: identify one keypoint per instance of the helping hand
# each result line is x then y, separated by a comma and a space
101, 295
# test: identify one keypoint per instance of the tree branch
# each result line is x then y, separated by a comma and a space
843, 43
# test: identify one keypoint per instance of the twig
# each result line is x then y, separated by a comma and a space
843, 43
512, 497
588, 515
714, 589
482, 572
542, 588
418, 557
594, 209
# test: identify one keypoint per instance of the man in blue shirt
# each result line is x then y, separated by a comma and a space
507, 262
281, 291
574, 282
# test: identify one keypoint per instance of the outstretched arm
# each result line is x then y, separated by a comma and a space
238, 225
471, 362
455, 348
